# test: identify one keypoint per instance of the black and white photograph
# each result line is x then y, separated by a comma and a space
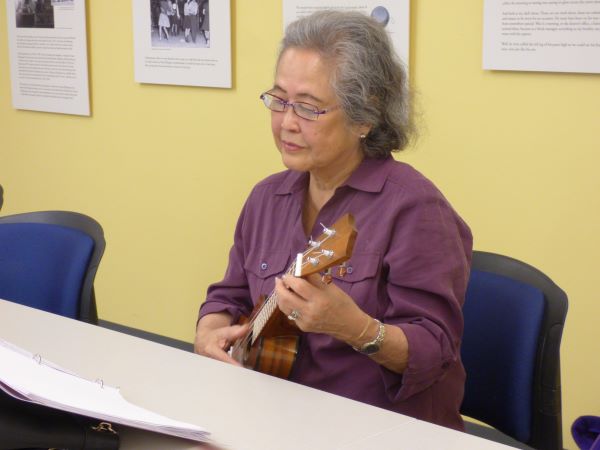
180, 23
34, 14
182, 42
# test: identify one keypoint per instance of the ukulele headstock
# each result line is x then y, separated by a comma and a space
334, 246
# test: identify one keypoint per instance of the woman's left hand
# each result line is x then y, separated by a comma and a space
325, 308
320, 307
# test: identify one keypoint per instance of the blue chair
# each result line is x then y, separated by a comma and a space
514, 317
49, 259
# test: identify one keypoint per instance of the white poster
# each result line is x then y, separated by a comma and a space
393, 14
48, 55
184, 42
542, 35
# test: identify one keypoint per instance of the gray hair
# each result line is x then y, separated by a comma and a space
369, 80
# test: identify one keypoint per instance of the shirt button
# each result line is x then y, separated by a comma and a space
349, 270
264, 266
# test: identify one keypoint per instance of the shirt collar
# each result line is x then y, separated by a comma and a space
293, 182
369, 176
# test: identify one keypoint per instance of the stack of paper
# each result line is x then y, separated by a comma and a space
28, 377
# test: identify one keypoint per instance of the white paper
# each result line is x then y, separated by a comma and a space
394, 14
48, 55
542, 35
29, 377
163, 57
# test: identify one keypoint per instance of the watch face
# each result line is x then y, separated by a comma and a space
369, 349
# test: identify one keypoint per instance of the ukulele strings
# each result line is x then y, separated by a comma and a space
251, 334
271, 299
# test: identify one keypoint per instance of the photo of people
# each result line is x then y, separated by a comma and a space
180, 23
34, 14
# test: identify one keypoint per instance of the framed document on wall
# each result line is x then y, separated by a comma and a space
183, 42
48, 55
548, 36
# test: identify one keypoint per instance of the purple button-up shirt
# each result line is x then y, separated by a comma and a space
409, 268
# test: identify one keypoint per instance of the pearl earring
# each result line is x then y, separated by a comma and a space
363, 136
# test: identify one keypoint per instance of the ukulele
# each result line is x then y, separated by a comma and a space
271, 344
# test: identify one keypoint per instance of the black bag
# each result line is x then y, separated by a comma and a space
28, 425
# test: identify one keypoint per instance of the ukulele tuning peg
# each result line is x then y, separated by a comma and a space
343, 270
328, 231
328, 253
326, 278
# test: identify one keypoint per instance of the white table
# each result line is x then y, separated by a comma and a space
244, 410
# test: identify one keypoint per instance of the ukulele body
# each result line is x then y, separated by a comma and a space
274, 352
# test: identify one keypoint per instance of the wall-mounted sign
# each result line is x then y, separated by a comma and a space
48, 55
543, 35
184, 42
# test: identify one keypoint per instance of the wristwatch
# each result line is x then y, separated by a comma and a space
373, 346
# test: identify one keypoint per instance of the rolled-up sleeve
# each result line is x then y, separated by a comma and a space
428, 267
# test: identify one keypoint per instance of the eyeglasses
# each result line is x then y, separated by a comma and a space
301, 109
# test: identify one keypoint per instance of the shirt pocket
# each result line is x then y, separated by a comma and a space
262, 266
361, 281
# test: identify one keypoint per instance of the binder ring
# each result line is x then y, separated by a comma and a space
104, 426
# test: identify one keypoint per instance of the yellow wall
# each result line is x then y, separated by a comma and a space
165, 169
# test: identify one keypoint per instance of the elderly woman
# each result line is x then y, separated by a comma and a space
389, 332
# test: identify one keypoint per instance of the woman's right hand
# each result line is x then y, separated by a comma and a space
215, 335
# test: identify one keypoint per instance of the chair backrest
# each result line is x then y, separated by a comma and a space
49, 259
514, 317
